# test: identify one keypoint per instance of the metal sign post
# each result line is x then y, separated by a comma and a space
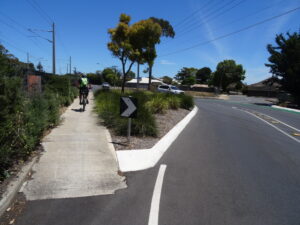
128, 109
129, 130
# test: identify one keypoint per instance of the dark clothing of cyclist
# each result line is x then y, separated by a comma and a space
83, 87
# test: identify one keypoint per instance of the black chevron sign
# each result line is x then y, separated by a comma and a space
128, 107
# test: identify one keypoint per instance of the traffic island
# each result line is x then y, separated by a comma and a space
160, 119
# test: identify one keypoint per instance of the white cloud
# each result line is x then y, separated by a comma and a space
166, 62
220, 49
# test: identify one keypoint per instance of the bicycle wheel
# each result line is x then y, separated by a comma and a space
83, 103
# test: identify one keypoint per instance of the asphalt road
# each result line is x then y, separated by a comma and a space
226, 168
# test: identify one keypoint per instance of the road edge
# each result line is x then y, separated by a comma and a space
15, 185
135, 160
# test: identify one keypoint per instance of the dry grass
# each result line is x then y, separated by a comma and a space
200, 94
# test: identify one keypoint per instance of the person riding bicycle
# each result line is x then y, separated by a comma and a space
83, 87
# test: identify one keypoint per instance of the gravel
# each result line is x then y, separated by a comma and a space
165, 122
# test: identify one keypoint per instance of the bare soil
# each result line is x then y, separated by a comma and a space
165, 122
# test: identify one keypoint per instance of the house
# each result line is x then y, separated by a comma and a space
202, 88
143, 82
266, 88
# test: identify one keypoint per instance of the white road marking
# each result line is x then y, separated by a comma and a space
280, 121
154, 211
294, 128
295, 139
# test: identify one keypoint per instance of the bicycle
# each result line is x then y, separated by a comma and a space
84, 100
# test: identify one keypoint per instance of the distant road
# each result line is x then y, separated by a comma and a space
228, 167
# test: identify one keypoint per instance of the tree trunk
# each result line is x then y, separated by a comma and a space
150, 77
124, 78
138, 76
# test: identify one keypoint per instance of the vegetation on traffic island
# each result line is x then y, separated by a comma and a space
149, 103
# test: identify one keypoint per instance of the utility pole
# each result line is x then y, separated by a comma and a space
53, 48
70, 65
67, 68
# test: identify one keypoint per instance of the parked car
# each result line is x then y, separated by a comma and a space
169, 89
105, 86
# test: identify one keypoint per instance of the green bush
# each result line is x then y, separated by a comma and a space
108, 108
173, 102
24, 117
186, 102
149, 103
157, 105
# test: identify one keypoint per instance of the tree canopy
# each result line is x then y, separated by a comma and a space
10, 65
228, 72
121, 45
203, 75
136, 43
40, 67
185, 74
167, 79
285, 62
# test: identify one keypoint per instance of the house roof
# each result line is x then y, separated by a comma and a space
199, 86
268, 84
144, 80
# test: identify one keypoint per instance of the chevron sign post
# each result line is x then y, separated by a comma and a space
128, 108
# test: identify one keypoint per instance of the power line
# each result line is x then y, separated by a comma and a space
20, 32
12, 20
211, 16
238, 19
192, 28
12, 27
235, 32
42, 10
180, 23
39, 11
17, 48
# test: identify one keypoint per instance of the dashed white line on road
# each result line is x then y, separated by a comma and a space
295, 139
154, 210
280, 122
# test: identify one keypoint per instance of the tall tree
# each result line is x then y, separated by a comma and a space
167, 79
203, 75
185, 74
285, 62
167, 30
228, 72
146, 35
121, 45
40, 67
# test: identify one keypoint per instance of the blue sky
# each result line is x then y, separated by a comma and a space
82, 32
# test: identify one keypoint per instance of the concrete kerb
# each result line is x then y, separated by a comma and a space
15, 185
285, 108
135, 160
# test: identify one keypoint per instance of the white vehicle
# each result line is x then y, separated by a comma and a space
169, 89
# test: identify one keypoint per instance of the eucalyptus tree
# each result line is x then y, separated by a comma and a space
121, 45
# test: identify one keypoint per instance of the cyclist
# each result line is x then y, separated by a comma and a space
83, 87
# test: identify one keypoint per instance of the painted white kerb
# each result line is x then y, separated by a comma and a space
285, 108
134, 160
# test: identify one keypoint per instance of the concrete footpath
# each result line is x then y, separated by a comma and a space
78, 160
